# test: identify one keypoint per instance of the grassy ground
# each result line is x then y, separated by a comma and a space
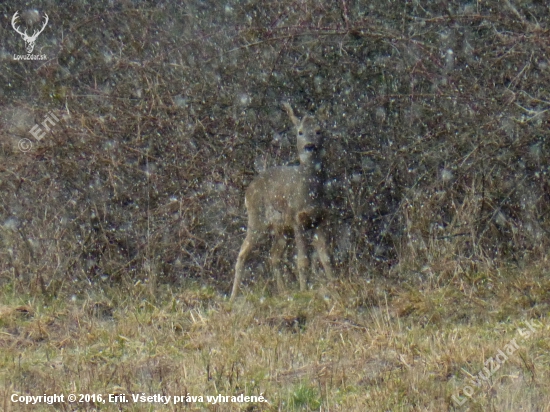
378, 345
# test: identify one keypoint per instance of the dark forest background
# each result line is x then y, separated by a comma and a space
436, 112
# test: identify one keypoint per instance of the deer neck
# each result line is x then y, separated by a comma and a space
312, 167
313, 174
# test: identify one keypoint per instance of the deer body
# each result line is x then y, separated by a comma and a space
288, 199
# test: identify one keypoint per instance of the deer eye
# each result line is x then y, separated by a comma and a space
318, 132
300, 132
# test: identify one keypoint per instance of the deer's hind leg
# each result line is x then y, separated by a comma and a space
252, 238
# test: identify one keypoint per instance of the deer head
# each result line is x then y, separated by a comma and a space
29, 40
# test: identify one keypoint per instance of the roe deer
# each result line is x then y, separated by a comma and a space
289, 198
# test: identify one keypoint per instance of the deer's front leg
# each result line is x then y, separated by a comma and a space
320, 244
302, 259
277, 250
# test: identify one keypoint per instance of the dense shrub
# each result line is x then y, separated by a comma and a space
437, 114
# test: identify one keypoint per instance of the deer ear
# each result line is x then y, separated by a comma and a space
291, 114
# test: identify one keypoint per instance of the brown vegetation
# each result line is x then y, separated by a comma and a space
440, 114
120, 228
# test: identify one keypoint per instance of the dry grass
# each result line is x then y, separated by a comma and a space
119, 230
349, 346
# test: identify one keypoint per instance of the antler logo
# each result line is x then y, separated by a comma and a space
29, 40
